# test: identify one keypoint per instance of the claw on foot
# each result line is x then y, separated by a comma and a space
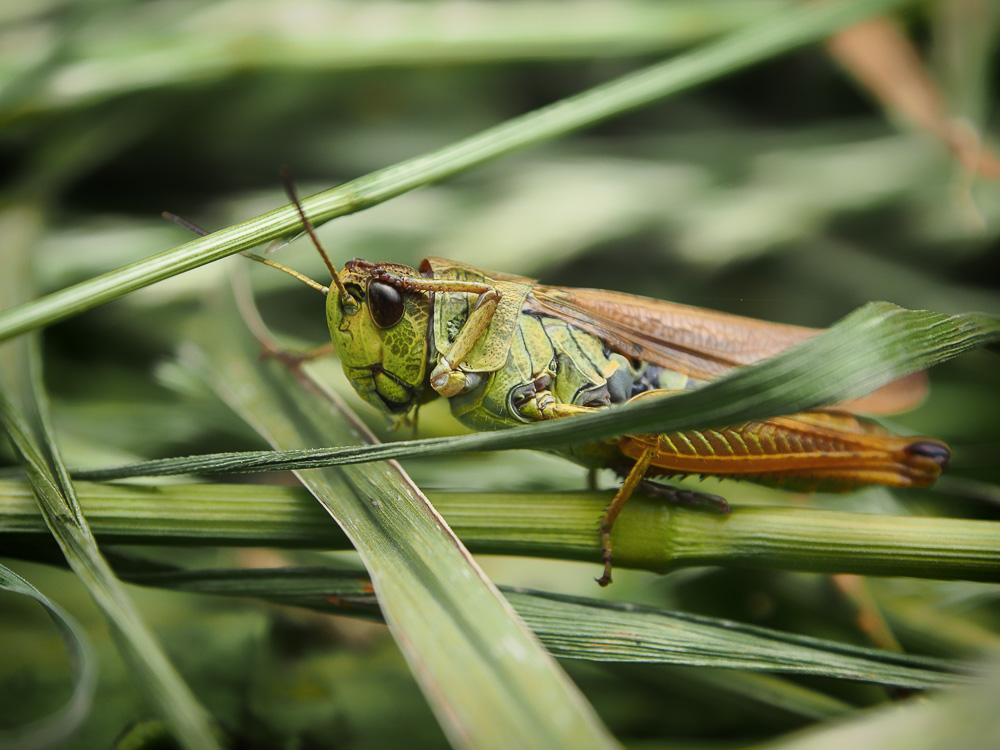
605, 579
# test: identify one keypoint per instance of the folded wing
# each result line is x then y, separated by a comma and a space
703, 344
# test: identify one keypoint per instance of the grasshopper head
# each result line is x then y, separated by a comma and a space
380, 331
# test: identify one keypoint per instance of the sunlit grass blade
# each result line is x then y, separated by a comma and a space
487, 679
797, 26
349, 36
53, 729
965, 718
872, 346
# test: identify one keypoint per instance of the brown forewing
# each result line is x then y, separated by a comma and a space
702, 344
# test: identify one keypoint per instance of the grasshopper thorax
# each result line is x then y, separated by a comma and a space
380, 331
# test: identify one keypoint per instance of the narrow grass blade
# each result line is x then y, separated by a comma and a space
61, 724
800, 25
756, 689
594, 630
872, 346
488, 680
32, 442
964, 718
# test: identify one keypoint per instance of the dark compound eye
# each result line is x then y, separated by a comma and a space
385, 303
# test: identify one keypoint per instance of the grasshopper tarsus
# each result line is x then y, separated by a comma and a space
689, 498
605, 579
605, 536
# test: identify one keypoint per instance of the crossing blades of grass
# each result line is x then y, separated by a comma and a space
488, 680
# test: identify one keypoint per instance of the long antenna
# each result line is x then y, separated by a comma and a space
252, 256
185, 223
285, 269
286, 176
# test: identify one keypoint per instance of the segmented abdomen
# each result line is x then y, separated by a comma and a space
815, 450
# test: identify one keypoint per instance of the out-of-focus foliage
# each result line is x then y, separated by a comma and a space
785, 191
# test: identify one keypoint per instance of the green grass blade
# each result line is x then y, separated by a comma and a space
53, 729
555, 525
486, 677
872, 346
33, 445
793, 28
594, 630
964, 718
756, 689
345, 37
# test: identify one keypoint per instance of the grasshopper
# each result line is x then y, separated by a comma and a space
506, 350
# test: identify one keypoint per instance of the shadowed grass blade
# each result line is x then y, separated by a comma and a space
593, 630
872, 346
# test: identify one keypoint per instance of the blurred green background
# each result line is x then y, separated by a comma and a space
785, 191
